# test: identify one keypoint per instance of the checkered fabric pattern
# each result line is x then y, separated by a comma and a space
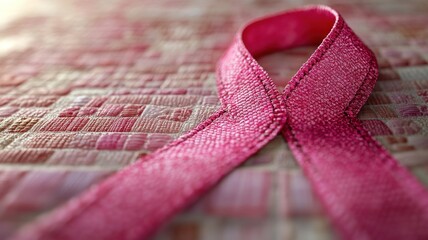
87, 87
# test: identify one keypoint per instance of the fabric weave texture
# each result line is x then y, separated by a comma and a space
87, 88
316, 113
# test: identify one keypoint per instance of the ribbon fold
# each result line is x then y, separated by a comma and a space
366, 193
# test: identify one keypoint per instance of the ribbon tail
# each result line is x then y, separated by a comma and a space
135, 202
366, 192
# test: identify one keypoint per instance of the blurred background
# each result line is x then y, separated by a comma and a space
87, 87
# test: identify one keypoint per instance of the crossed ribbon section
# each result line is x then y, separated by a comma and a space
365, 192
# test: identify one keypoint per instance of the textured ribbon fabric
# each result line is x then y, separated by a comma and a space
366, 193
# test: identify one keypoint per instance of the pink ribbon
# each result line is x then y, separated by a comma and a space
366, 193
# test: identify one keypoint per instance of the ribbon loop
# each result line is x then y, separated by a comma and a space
335, 80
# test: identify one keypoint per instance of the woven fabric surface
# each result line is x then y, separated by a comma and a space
88, 87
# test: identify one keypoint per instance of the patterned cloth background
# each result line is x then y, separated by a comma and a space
87, 87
